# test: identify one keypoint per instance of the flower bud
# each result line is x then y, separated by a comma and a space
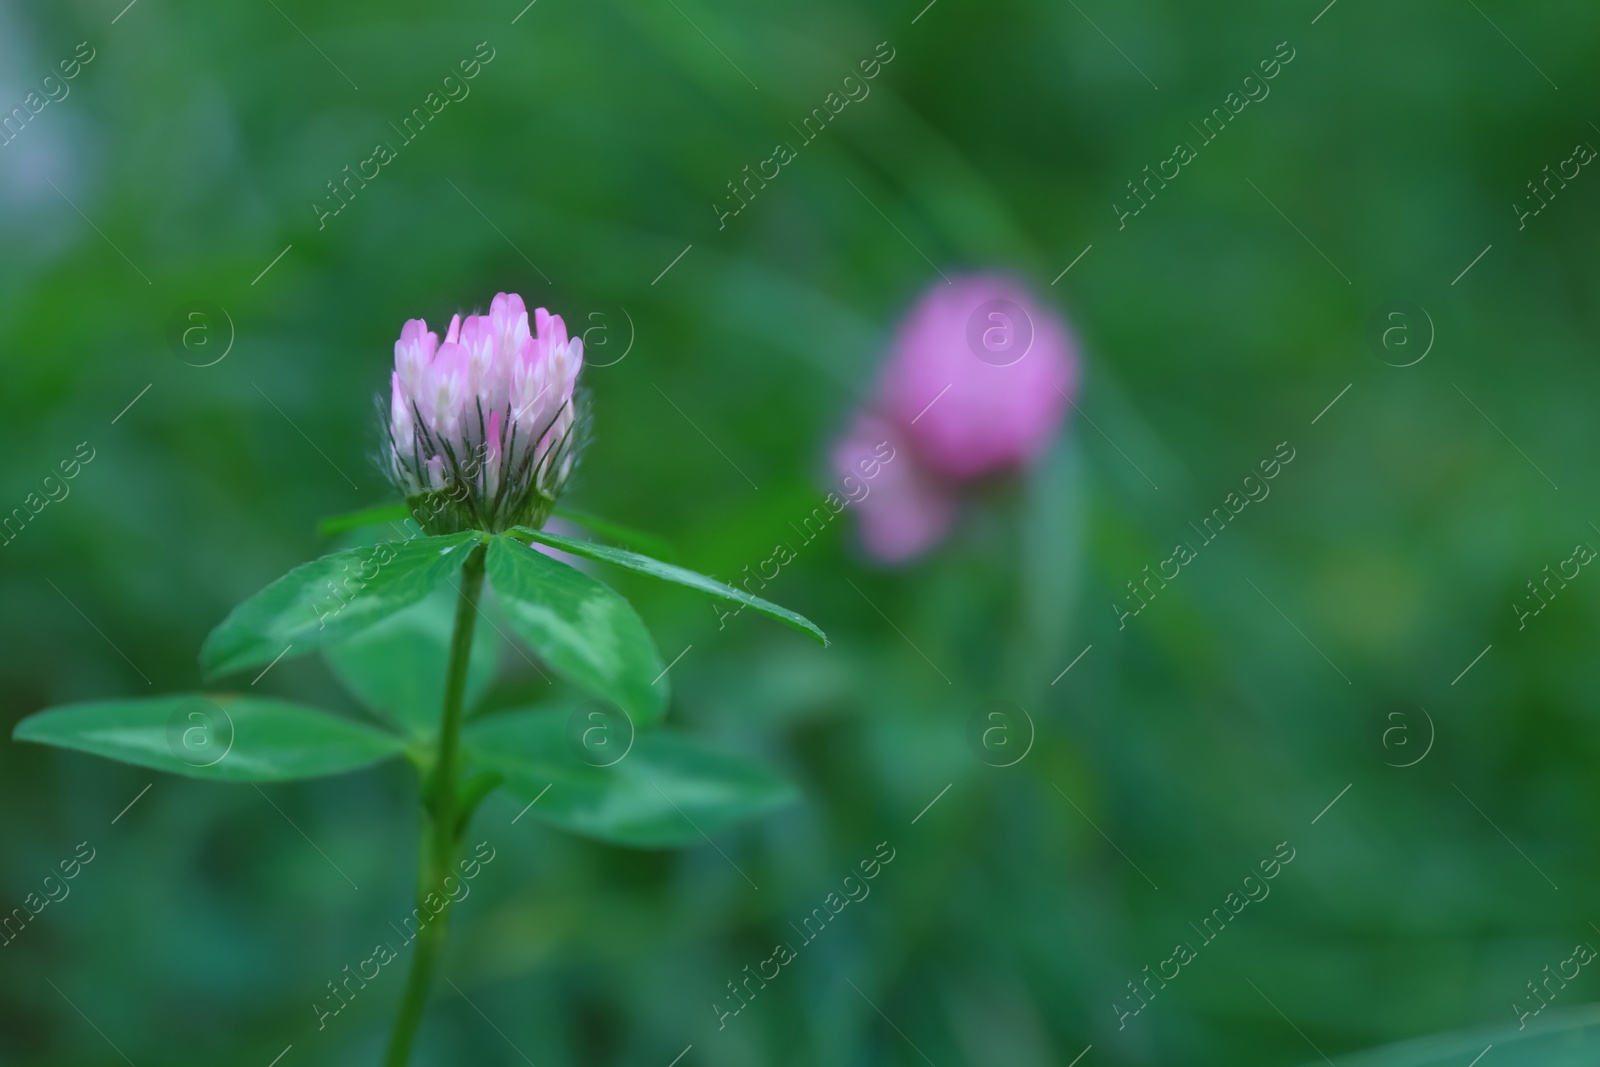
484, 428
904, 511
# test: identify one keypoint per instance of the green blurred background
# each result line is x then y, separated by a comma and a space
1176, 754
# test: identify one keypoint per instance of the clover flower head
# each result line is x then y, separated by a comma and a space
1006, 362
485, 427
977, 383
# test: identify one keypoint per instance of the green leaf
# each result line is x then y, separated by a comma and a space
397, 667
615, 531
222, 737
586, 632
1569, 1038
671, 573
355, 520
328, 600
667, 790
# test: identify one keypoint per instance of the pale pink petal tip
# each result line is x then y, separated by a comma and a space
507, 306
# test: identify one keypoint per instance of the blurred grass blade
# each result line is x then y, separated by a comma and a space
627, 536
330, 599
355, 520
1569, 1038
580, 627
664, 791
221, 737
672, 573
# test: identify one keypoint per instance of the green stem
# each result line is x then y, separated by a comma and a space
440, 830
